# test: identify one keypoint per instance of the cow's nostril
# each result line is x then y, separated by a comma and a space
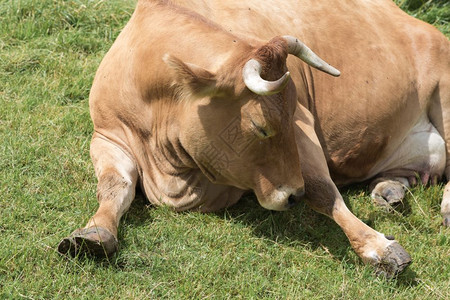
292, 201
295, 198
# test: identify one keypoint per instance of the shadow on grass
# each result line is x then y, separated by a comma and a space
299, 226
302, 225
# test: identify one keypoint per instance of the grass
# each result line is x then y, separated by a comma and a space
436, 12
49, 52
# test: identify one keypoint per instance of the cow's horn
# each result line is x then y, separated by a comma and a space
252, 79
297, 48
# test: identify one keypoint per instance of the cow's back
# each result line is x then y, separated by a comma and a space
390, 65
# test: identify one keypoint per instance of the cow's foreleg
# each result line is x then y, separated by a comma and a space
384, 253
117, 176
388, 257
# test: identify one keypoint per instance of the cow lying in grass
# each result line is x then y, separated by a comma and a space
200, 102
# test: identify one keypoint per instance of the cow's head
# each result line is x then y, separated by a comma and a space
237, 122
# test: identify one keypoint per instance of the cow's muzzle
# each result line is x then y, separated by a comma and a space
280, 199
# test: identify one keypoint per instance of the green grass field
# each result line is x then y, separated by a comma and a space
49, 52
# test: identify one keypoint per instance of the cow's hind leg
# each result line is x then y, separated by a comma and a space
388, 257
388, 192
440, 117
117, 176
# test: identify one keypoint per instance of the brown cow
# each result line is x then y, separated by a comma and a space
384, 119
198, 113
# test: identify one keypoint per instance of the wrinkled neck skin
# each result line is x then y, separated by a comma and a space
178, 141
170, 176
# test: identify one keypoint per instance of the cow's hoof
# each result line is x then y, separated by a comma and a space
388, 193
446, 221
93, 241
394, 261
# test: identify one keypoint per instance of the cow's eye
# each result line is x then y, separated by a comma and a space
261, 132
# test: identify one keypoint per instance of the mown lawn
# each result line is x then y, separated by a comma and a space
49, 52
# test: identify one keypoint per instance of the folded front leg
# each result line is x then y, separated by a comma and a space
117, 176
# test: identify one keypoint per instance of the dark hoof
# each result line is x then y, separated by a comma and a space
93, 241
446, 221
387, 193
390, 237
394, 261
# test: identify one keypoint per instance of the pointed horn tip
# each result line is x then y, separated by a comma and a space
336, 73
300, 50
329, 69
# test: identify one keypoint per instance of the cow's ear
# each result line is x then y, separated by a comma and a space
199, 81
